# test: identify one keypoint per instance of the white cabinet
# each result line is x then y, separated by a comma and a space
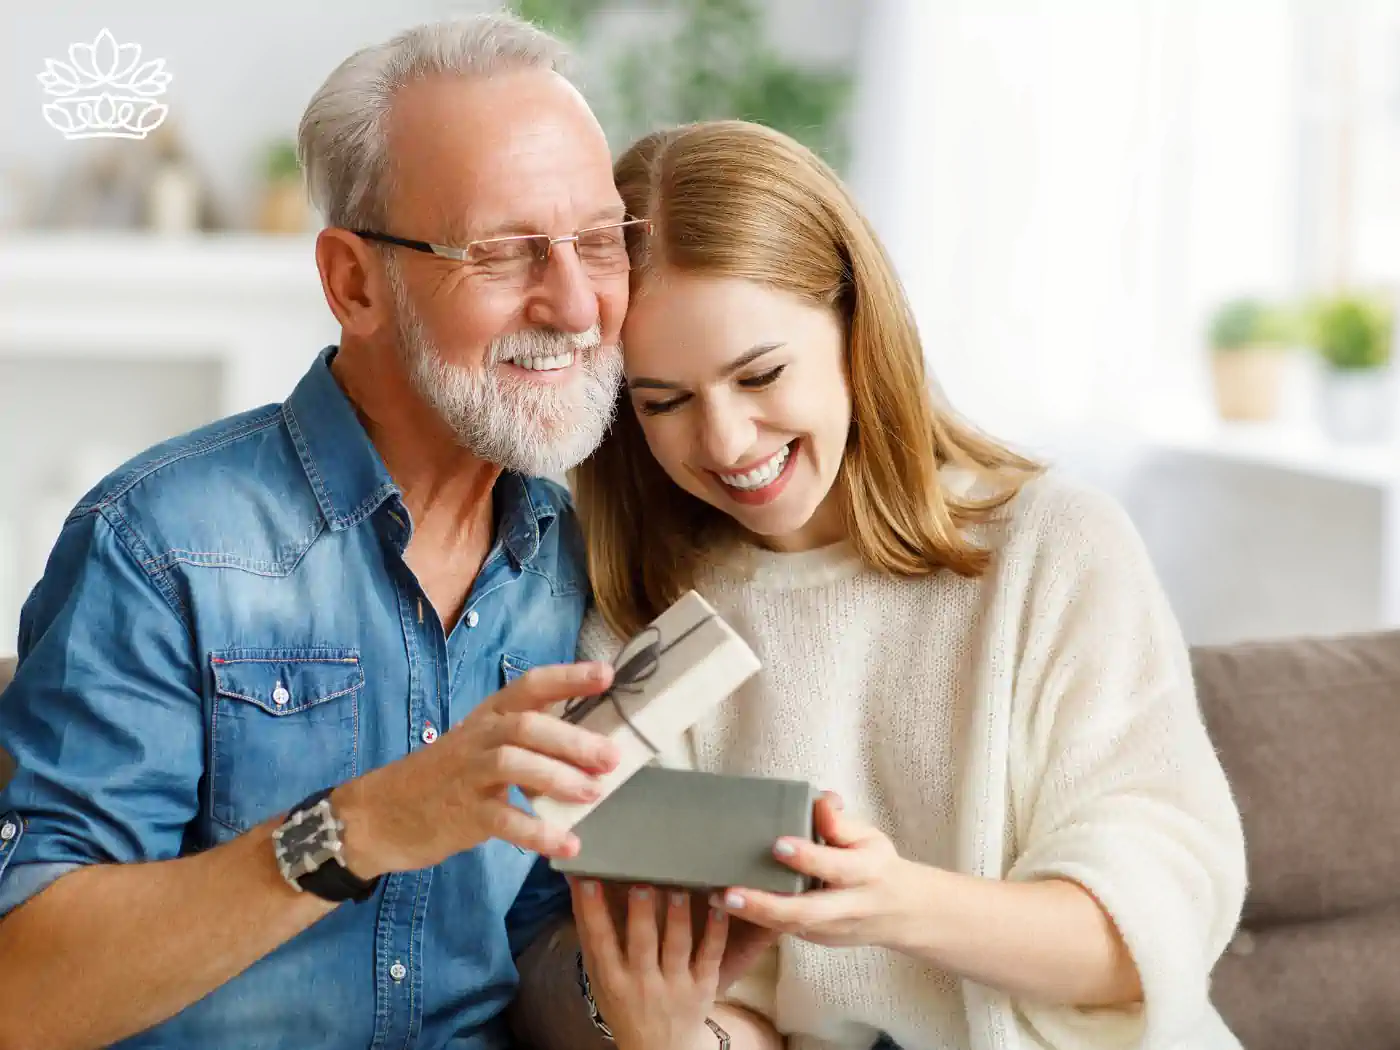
109, 344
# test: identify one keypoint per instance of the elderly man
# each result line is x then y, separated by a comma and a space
240, 816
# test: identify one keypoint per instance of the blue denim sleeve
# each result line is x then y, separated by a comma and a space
543, 896
104, 717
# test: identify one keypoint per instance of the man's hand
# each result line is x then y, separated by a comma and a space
453, 795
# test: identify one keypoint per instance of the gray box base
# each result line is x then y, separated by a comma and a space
692, 830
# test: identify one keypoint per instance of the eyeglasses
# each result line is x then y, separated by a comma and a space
521, 259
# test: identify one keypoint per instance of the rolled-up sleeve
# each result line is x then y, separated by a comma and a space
1119, 788
104, 716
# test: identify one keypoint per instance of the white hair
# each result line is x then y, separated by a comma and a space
342, 141
541, 430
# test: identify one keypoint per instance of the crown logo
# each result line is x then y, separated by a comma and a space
104, 91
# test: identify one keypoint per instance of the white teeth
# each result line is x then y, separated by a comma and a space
545, 364
759, 476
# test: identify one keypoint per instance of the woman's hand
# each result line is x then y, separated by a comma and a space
865, 885
1047, 939
653, 989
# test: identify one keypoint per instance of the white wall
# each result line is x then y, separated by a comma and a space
243, 72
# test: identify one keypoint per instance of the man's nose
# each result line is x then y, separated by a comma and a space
565, 298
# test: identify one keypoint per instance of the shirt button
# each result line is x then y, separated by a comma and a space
473, 619
8, 831
280, 695
398, 972
429, 733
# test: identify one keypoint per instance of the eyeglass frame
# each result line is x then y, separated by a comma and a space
462, 255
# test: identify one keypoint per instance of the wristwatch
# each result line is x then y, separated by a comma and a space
309, 847
597, 1018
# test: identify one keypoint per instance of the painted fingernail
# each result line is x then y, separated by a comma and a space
733, 900
719, 914
589, 888
678, 900
643, 894
784, 848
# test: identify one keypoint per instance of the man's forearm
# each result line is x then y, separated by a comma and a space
111, 950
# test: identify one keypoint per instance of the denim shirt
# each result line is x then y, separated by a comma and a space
227, 625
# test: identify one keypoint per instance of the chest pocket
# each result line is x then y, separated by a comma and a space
512, 667
285, 724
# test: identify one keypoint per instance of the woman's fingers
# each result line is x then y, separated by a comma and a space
642, 945
711, 952
597, 934
678, 940
830, 865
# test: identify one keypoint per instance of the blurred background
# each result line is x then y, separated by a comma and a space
1157, 240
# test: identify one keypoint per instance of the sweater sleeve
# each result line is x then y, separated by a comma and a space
1115, 784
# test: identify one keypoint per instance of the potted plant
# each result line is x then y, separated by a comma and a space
284, 206
1353, 334
1250, 340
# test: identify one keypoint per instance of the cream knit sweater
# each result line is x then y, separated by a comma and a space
1038, 721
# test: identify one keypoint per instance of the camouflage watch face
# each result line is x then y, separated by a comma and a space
307, 840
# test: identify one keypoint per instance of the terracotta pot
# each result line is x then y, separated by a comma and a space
284, 207
1248, 382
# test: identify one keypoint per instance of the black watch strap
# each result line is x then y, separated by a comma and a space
333, 881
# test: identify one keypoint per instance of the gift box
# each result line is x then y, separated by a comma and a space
697, 831
667, 679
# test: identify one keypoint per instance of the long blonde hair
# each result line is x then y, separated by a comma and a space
734, 199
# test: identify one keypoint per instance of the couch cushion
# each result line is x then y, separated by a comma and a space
1328, 985
1308, 732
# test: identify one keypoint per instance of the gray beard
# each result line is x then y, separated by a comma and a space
534, 429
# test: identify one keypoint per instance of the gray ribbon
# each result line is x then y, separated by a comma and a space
629, 677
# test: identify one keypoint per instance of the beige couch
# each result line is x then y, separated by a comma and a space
1309, 731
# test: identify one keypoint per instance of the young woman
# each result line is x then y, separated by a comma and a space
1030, 841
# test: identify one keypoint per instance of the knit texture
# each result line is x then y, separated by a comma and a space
1038, 721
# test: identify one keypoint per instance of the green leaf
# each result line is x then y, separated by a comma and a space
566, 18
1353, 332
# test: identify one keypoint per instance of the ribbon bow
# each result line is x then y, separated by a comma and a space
628, 678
